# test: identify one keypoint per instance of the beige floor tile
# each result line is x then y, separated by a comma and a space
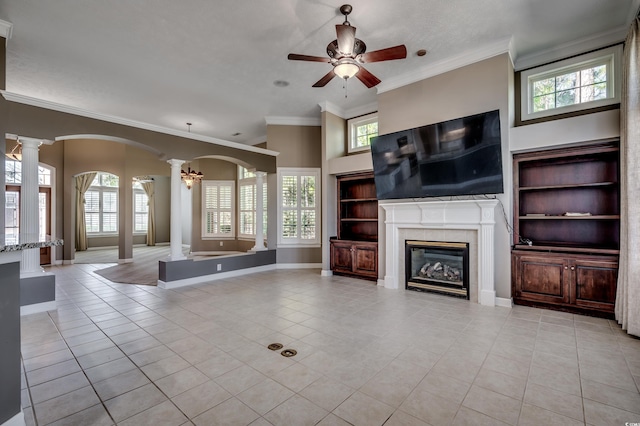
100, 357
201, 398
48, 359
151, 355
360, 409
164, 367
598, 414
230, 412
430, 408
134, 402
468, 417
181, 381
567, 381
507, 366
65, 405
52, 372
109, 369
400, 418
120, 384
609, 395
493, 404
333, 420
296, 411
558, 402
501, 383
265, 396
327, 393
617, 376
296, 377
444, 387
240, 379
94, 416
530, 415
57, 387
165, 414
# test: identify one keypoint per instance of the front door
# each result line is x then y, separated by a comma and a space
12, 218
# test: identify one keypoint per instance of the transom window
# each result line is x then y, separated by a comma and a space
361, 131
13, 173
574, 84
218, 210
101, 204
298, 206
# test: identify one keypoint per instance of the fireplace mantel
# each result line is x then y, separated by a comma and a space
469, 215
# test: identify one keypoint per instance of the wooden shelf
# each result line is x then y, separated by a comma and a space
358, 200
592, 217
577, 185
551, 247
356, 219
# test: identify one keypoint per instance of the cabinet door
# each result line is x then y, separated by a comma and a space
542, 278
595, 283
341, 256
365, 259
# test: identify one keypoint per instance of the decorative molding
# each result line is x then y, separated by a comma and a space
496, 48
504, 302
6, 29
41, 103
572, 48
292, 121
326, 273
334, 109
362, 110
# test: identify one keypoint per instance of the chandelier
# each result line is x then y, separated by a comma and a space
190, 177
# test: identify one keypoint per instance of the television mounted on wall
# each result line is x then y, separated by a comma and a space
455, 157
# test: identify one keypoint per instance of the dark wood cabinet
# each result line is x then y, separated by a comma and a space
567, 228
355, 251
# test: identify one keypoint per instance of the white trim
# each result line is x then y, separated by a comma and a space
352, 126
17, 420
299, 172
41, 103
334, 109
37, 308
213, 277
326, 273
504, 45
299, 265
611, 57
327, 106
6, 29
504, 302
219, 184
292, 121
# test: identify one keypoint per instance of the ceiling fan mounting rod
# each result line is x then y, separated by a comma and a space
346, 9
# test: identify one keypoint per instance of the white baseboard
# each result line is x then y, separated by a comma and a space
380, 282
504, 302
213, 277
326, 273
17, 420
68, 262
36, 308
298, 265
121, 261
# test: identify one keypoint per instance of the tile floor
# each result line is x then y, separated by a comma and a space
137, 355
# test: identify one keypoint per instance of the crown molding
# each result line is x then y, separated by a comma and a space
257, 140
6, 29
504, 45
362, 110
572, 48
292, 121
332, 108
41, 103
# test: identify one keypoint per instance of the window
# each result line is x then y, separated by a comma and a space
298, 207
13, 173
101, 204
361, 131
247, 204
575, 84
140, 209
218, 209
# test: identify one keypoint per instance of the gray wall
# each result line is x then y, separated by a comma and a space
9, 340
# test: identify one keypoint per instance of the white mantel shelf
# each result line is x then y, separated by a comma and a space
471, 215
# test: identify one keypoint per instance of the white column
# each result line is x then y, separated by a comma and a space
486, 259
175, 243
259, 211
29, 217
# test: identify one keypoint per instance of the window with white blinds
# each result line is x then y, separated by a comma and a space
218, 209
101, 204
140, 209
298, 207
247, 204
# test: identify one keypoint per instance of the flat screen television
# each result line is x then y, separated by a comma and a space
455, 157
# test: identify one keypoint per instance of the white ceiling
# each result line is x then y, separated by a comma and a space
213, 62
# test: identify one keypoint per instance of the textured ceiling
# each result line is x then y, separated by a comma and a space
213, 62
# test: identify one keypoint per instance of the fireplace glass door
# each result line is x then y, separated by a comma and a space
441, 267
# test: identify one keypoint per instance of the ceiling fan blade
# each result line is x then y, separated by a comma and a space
388, 54
367, 78
296, 57
324, 80
346, 38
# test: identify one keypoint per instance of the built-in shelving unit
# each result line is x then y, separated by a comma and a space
567, 227
355, 251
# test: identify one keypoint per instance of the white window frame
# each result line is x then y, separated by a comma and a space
609, 57
139, 191
219, 236
251, 181
352, 126
101, 190
299, 242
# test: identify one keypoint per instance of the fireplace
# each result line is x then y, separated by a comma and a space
441, 267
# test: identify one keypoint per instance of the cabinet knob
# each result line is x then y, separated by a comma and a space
566, 267
573, 268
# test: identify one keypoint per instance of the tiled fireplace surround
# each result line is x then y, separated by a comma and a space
470, 221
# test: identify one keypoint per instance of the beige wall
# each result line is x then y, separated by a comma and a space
473, 89
299, 146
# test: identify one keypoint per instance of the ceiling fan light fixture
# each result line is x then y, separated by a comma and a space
346, 69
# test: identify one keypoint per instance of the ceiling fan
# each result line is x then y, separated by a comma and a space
347, 54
